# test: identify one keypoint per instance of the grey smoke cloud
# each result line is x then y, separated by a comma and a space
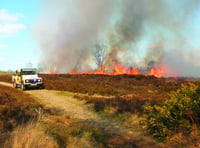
67, 29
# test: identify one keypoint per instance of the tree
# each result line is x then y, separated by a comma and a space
99, 55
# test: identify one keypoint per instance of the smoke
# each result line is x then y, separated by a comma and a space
66, 31
157, 24
150, 30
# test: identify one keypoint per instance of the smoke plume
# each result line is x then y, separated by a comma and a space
149, 30
66, 31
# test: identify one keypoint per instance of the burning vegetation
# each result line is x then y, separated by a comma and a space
121, 70
133, 33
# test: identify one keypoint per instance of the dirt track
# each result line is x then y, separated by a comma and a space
77, 110
51, 98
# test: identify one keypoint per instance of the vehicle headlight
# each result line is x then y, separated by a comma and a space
26, 81
39, 80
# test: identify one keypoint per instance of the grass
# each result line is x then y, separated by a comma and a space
178, 116
116, 99
65, 94
123, 104
128, 120
60, 131
6, 78
20, 125
16, 108
104, 85
54, 129
32, 136
6, 73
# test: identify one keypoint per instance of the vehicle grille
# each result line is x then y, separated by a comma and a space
33, 81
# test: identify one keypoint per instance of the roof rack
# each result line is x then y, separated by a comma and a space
28, 69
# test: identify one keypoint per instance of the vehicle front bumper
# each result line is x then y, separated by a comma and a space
38, 84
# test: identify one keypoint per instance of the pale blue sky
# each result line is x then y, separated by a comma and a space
18, 17
17, 47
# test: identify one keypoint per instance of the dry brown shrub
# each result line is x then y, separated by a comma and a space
16, 108
30, 136
110, 85
191, 141
6, 78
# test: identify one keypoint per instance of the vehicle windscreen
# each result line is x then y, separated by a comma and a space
28, 72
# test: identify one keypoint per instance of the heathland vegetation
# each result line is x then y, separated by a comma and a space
165, 109
16, 109
177, 119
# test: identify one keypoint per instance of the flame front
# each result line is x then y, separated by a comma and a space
157, 72
120, 70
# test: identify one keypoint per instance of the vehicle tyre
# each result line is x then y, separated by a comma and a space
14, 85
41, 87
23, 87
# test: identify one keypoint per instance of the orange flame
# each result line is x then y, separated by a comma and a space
73, 73
157, 72
133, 72
120, 69
174, 75
51, 73
101, 71
86, 72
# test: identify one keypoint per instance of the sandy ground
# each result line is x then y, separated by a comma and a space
51, 98
71, 106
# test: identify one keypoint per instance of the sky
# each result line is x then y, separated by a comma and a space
64, 41
17, 46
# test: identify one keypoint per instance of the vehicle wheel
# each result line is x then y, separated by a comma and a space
23, 87
41, 87
14, 85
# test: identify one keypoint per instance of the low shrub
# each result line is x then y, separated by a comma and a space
32, 135
122, 104
16, 108
179, 114
6, 78
109, 85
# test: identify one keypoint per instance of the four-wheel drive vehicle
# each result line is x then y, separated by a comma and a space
27, 77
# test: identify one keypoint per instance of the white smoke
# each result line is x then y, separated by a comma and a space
67, 29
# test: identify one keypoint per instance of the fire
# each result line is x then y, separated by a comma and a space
101, 71
73, 73
133, 72
174, 75
157, 72
51, 73
87, 72
120, 69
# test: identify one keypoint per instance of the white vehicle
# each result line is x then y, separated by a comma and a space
26, 78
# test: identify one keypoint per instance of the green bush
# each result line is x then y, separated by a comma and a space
179, 114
